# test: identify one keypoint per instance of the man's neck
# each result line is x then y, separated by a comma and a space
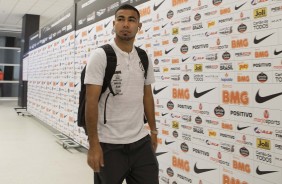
125, 46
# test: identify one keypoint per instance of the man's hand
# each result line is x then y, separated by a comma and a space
154, 139
95, 158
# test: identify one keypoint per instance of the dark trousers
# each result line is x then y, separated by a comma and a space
135, 162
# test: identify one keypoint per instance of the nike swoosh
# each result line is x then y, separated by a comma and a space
156, 7
159, 90
257, 41
106, 25
183, 60
168, 51
76, 35
199, 171
90, 30
160, 153
76, 84
238, 7
146, 30
167, 143
262, 99
242, 128
163, 114
277, 53
164, 25
259, 172
198, 95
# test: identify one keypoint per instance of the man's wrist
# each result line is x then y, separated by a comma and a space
154, 132
94, 143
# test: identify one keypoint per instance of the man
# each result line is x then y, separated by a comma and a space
120, 147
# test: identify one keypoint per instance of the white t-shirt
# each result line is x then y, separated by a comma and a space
125, 111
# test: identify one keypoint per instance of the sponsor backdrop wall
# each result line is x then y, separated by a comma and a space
218, 89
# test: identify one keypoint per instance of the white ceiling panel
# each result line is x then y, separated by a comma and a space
43, 20
65, 1
27, 1
22, 7
45, 1
41, 6
7, 6
12, 11
3, 17
13, 19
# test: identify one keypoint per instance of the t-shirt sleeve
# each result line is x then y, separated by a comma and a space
150, 73
95, 69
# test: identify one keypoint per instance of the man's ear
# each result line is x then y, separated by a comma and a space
140, 26
114, 30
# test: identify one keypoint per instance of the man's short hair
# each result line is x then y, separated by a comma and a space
128, 7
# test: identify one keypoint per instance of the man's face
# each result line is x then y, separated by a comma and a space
126, 24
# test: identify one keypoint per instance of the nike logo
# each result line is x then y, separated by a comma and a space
257, 41
164, 25
163, 114
199, 171
160, 153
238, 7
277, 53
262, 99
259, 172
198, 95
76, 84
168, 51
242, 128
156, 7
167, 143
106, 25
146, 30
90, 30
76, 35
159, 90
183, 60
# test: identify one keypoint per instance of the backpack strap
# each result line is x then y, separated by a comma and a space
110, 68
145, 62
109, 72
81, 107
144, 59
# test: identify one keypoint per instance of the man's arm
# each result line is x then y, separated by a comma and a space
95, 154
149, 109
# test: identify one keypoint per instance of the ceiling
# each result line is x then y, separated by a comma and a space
12, 11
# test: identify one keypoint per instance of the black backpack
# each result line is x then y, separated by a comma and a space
109, 72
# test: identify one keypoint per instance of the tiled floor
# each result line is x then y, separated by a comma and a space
29, 153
